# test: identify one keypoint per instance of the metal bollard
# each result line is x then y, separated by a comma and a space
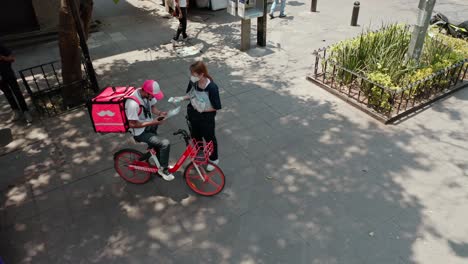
313, 6
355, 15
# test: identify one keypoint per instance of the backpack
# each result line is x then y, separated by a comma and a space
107, 109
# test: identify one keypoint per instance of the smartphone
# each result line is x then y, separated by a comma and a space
160, 118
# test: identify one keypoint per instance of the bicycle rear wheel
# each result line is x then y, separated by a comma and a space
125, 157
214, 180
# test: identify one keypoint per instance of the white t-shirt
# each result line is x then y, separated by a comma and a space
183, 3
132, 108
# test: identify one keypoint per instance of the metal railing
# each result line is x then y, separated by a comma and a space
384, 103
45, 85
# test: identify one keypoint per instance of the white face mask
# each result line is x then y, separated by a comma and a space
194, 78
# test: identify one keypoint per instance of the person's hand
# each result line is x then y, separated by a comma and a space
158, 121
7, 58
162, 113
180, 16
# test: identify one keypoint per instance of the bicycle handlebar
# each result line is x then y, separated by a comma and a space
178, 132
181, 131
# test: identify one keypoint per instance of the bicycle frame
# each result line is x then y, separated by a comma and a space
152, 169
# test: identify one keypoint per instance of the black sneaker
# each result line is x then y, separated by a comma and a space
175, 39
272, 16
185, 37
282, 16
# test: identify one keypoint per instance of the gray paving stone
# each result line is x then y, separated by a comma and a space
309, 178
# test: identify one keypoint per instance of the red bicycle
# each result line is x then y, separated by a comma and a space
135, 167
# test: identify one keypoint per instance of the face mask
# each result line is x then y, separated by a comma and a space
194, 78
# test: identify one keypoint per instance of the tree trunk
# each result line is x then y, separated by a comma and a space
70, 52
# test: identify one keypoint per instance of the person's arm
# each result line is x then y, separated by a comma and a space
179, 99
10, 58
178, 8
131, 111
157, 112
139, 124
213, 95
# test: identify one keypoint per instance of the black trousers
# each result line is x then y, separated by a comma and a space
203, 127
182, 24
11, 89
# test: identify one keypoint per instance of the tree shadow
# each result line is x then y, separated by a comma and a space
290, 162
295, 3
306, 182
461, 249
5, 137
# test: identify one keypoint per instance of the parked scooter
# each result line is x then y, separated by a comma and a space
456, 31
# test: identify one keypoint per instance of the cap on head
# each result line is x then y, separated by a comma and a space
152, 87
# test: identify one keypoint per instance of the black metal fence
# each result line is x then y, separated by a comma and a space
45, 85
384, 103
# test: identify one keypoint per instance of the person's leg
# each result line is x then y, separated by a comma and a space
10, 79
283, 6
184, 22
161, 144
194, 118
179, 29
9, 95
273, 7
208, 131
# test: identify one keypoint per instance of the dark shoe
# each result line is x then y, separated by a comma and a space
272, 16
200, 155
28, 117
175, 38
185, 37
282, 16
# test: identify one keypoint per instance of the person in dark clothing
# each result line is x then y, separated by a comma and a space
203, 94
181, 12
10, 87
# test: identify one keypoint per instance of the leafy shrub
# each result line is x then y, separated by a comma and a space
381, 57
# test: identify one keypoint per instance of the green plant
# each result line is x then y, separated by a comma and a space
380, 57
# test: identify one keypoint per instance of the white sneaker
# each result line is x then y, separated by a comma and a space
166, 175
28, 117
211, 167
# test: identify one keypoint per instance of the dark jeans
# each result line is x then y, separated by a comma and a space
203, 127
161, 145
11, 89
182, 24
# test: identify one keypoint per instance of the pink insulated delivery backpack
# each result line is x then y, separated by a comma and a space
107, 109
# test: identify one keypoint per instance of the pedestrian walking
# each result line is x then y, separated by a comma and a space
10, 86
282, 7
181, 14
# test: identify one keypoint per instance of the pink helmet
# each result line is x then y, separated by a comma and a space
152, 87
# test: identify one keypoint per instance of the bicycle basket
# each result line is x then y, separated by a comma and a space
201, 152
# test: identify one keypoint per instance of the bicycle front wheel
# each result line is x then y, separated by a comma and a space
210, 184
126, 157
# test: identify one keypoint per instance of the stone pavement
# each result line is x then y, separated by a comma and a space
309, 178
